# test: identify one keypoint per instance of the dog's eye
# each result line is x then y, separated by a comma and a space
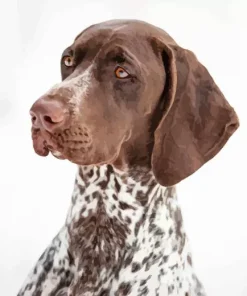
68, 61
121, 73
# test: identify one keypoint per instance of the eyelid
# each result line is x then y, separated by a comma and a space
66, 56
124, 67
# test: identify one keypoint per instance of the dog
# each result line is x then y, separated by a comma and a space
138, 114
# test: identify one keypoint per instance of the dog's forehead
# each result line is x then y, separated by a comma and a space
106, 29
128, 32
98, 36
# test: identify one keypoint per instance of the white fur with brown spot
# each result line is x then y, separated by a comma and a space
121, 237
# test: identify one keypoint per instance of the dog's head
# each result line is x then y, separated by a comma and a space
131, 96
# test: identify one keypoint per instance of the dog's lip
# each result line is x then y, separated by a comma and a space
39, 143
43, 144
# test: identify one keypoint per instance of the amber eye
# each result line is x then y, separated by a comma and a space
68, 61
121, 73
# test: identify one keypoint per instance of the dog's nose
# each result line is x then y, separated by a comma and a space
48, 114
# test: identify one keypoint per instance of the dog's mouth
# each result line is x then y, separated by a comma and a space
43, 144
69, 144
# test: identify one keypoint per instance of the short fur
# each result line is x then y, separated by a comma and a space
133, 138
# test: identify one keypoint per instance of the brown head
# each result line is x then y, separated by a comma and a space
130, 96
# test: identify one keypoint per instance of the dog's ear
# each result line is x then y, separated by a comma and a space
197, 120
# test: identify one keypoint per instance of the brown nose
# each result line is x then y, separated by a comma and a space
48, 114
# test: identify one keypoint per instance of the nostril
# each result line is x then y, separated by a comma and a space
49, 119
33, 119
55, 119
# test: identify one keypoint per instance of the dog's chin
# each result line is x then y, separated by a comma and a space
58, 155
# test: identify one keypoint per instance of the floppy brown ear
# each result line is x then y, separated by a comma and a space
197, 120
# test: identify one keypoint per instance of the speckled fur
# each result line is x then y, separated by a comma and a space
123, 235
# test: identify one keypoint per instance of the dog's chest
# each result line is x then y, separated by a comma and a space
124, 235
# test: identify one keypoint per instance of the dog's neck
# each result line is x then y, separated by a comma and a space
113, 211
115, 189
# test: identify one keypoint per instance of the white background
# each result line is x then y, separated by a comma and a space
35, 192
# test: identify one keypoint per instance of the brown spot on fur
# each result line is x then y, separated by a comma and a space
124, 289
189, 260
135, 267
124, 206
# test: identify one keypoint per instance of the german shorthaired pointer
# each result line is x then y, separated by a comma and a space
138, 114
